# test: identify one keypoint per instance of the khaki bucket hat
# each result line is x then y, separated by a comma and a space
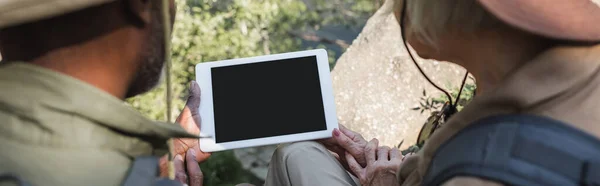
15, 12
577, 20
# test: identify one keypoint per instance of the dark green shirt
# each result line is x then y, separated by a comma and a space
57, 130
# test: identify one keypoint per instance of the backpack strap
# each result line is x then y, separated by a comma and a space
7, 178
519, 150
145, 171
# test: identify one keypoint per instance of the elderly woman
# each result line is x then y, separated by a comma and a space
535, 121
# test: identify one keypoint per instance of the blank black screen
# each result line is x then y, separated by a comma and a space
267, 99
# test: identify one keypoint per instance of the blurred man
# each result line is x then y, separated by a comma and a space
67, 67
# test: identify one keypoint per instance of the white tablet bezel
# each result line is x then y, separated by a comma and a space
203, 77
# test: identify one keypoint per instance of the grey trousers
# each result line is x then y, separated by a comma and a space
307, 163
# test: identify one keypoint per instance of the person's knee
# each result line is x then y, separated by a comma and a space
306, 163
300, 146
290, 152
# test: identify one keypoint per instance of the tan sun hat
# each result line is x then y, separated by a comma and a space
561, 19
14, 12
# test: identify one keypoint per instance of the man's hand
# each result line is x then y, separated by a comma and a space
382, 165
344, 140
189, 119
188, 171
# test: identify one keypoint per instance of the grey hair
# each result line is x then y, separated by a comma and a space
430, 18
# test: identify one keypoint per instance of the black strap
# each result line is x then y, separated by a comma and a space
145, 171
519, 150
11, 178
592, 174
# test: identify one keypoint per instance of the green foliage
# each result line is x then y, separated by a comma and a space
222, 169
411, 149
434, 105
431, 104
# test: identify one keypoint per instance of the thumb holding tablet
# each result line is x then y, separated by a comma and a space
189, 119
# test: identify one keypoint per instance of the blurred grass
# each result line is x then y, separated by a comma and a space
223, 169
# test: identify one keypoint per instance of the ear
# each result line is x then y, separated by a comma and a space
141, 10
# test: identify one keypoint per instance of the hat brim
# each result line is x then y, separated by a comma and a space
561, 19
15, 12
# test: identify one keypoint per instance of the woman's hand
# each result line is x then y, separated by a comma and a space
382, 165
345, 140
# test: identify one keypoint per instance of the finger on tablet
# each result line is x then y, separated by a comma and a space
193, 169
180, 174
330, 141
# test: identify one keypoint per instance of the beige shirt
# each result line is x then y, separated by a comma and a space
57, 130
562, 83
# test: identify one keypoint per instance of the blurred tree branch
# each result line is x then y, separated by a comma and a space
316, 38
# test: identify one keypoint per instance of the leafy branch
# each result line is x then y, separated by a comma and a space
433, 106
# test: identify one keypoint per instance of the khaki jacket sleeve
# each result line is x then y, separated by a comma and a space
408, 174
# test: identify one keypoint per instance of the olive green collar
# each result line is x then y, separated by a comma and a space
29, 90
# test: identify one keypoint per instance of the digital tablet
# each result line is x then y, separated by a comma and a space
265, 100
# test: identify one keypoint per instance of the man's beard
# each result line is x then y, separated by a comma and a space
152, 59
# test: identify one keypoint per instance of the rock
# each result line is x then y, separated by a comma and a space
376, 83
